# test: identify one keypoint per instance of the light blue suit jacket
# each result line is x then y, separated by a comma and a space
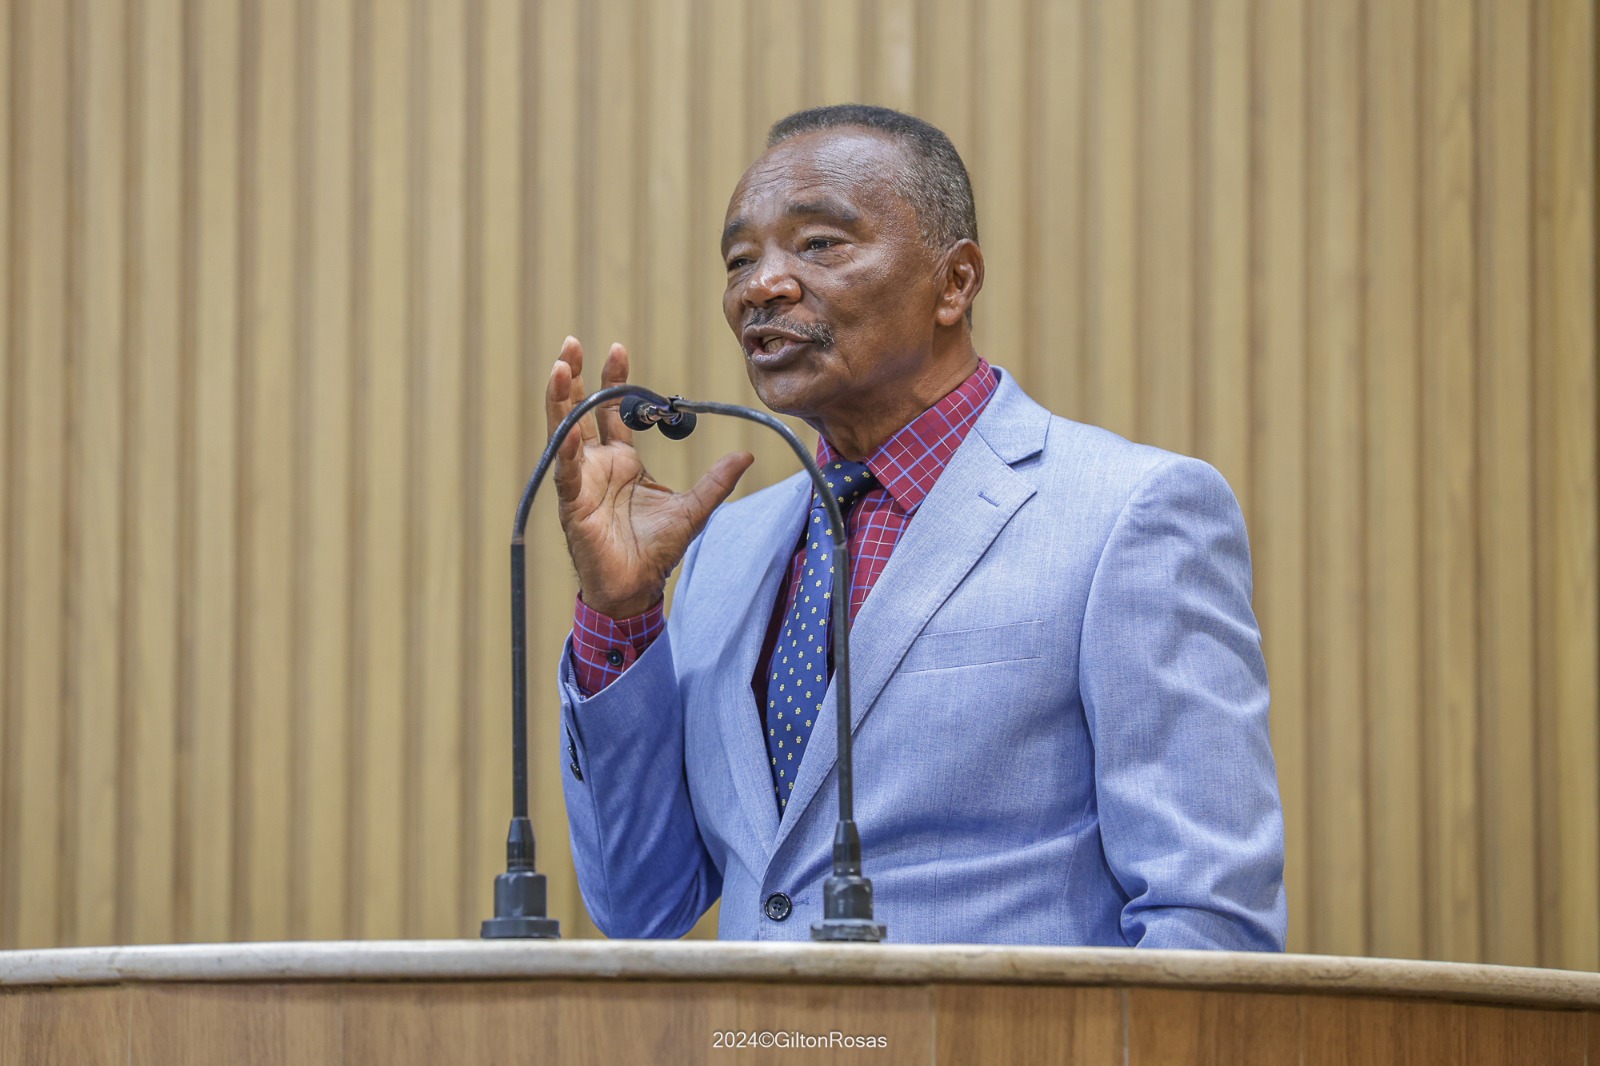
1060, 717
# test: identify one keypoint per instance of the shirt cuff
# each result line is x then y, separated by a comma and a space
603, 648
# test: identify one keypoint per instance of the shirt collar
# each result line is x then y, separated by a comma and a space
910, 462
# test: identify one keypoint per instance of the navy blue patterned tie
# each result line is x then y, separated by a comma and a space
800, 657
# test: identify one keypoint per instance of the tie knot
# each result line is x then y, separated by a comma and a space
848, 481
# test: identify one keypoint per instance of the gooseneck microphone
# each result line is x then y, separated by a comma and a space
519, 893
847, 894
639, 412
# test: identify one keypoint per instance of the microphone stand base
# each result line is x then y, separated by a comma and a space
521, 928
519, 908
853, 930
847, 902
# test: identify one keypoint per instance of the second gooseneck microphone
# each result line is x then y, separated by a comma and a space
847, 893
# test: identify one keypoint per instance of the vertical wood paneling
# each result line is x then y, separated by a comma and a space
38, 583
783, 86
836, 56
148, 834
1505, 500
616, 200
1001, 96
559, 232
1055, 199
1336, 664
666, 242
411, 318
10, 368
1222, 259
1565, 357
1391, 338
210, 840
97, 473
9, 347
891, 72
1278, 445
280, 285
1450, 607
380, 877
495, 415
1164, 344
322, 626
269, 570
1111, 306
435, 862
944, 74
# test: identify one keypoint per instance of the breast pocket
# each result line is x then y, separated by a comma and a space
951, 649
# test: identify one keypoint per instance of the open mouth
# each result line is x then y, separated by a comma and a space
775, 352
773, 343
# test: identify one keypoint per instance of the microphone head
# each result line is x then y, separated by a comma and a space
630, 412
679, 427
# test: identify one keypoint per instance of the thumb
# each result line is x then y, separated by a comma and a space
717, 485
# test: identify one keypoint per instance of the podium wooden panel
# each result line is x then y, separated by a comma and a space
438, 1002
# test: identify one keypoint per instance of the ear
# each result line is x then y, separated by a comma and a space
960, 278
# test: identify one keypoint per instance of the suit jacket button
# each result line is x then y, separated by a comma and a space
778, 907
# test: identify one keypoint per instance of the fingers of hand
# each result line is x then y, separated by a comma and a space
615, 372
568, 471
717, 484
562, 393
572, 356
557, 395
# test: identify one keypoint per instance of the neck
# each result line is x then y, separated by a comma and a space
856, 438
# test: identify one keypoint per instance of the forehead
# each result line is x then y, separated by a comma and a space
848, 168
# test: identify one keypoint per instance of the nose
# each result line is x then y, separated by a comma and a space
771, 282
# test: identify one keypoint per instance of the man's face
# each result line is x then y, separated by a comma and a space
831, 290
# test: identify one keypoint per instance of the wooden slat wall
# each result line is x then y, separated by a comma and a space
280, 284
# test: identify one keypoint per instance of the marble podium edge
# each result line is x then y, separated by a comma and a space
470, 960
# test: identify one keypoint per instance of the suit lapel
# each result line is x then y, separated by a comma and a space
739, 718
971, 503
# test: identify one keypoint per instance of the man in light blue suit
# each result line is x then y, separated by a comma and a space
1059, 703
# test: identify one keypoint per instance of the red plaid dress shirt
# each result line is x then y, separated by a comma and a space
906, 465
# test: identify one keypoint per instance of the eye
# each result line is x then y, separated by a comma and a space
818, 244
737, 262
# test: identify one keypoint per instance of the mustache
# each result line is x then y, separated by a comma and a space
816, 333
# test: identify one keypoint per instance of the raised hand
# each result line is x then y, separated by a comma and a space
625, 531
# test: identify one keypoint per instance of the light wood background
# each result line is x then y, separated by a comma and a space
281, 280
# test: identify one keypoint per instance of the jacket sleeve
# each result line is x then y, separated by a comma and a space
642, 866
1175, 690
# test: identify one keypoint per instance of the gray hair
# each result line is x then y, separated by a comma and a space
933, 179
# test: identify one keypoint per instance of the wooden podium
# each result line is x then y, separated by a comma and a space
440, 1002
